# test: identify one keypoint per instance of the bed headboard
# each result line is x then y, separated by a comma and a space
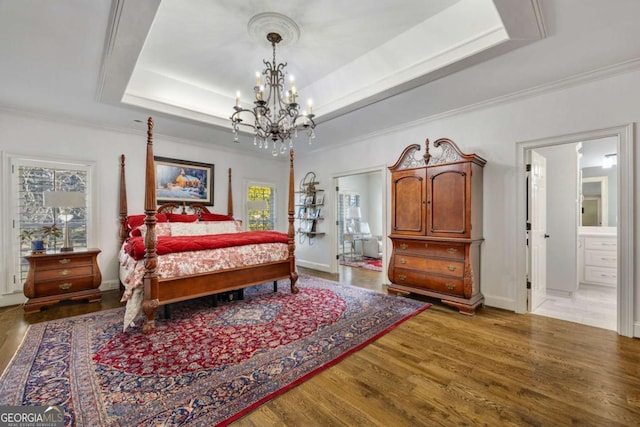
184, 208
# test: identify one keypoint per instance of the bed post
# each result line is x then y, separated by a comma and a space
150, 279
293, 274
123, 202
229, 197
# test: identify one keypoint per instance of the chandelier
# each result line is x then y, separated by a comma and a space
276, 116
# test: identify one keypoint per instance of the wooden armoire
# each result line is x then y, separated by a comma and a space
436, 224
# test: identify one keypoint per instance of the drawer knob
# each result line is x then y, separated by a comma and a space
402, 277
403, 261
403, 246
452, 250
64, 272
450, 286
426, 245
64, 261
65, 286
451, 267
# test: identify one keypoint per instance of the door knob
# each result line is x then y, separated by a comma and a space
546, 236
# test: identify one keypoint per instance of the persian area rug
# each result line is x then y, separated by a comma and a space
366, 263
205, 365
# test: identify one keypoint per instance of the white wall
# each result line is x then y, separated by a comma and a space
493, 132
21, 135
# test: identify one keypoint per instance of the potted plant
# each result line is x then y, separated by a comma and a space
37, 237
51, 231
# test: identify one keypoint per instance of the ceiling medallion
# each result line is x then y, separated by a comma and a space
276, 114
272, 22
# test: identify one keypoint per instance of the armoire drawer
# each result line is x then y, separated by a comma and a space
430, 265
448, 285
430, 249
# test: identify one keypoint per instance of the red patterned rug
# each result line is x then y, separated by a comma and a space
203, 366
366, 263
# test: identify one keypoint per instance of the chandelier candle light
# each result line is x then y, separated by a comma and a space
277, 116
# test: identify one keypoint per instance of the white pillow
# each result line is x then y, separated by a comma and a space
162, 229
188, 228
221, 227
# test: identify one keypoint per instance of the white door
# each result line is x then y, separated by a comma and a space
537, 235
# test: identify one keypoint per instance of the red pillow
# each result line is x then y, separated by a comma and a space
215, 217
134, 221
182, 218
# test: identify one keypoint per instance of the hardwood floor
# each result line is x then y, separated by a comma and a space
444, 368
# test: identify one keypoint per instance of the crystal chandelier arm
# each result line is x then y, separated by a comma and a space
276, 116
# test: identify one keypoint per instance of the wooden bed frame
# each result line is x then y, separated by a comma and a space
161, 291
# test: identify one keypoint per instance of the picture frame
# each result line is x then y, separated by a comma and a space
183, 181
320, 199
307, 227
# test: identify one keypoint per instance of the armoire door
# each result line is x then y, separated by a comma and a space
408, 194
448, 200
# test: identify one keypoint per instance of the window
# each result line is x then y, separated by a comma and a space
30, 179
346, 201
261, 202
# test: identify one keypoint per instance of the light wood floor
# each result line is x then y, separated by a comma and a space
496, 368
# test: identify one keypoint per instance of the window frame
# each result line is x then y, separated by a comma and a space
273, 208
10, 231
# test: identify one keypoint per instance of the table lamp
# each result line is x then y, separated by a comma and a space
65, 200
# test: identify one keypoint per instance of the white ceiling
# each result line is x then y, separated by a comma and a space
368, 65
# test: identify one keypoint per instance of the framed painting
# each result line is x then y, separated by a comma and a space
179, 181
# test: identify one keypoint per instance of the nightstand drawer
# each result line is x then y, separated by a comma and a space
61, 262
63, 273
58, 287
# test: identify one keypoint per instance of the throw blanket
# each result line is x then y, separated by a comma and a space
172, 244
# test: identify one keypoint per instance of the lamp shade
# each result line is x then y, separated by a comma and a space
64, 199
354, 213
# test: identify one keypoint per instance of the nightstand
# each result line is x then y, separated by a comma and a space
58, 276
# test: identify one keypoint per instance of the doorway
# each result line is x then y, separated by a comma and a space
624, 202
360, 233
575, 240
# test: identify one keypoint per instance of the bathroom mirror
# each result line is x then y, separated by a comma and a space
595, 202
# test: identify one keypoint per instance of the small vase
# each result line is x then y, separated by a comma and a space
37, 246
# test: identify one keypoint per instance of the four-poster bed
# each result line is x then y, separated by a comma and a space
223, 259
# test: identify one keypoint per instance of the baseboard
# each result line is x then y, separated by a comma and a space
499, 302
313, 265
16, 298
109, 285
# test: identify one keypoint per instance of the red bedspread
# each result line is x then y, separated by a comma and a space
170, 244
